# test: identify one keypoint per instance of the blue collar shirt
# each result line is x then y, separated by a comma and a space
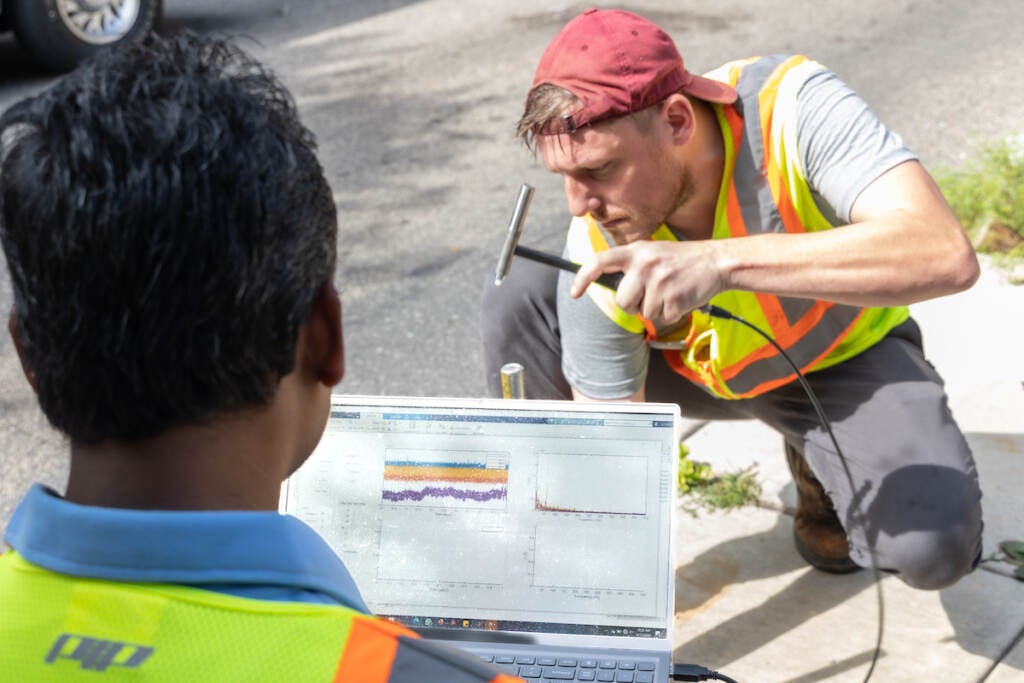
261, 555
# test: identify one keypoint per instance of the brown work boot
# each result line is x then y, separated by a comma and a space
820, 538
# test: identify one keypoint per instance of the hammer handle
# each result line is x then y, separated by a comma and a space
609, 280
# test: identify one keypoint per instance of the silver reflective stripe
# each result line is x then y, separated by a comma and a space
803, 352
677, 345
757, 205
795, 309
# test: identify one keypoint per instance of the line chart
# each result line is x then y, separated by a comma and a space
592, 484
462, 479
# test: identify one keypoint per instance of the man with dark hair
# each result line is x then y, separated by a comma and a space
769, 190
171, 241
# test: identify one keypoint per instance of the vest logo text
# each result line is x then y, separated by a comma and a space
94, 654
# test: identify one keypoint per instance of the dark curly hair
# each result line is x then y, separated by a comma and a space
166, 225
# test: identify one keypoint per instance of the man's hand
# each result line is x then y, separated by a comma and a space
662, 281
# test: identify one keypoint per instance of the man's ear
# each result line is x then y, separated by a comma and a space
677, 110
325, 347
12, 327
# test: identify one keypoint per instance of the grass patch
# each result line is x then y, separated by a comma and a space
727, 491
702, 489
989, 187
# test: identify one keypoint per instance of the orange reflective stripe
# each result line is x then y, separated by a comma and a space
771, 308
783, 202
734, 216
370, 651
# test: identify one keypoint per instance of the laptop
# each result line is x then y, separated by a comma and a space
537, 535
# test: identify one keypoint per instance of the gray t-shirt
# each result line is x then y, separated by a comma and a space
843, 148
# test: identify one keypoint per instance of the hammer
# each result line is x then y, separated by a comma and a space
512, 246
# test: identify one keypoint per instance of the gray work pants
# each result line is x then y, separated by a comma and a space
906, 485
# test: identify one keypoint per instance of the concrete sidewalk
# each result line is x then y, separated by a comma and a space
748, 606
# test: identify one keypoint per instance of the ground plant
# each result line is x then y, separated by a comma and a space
702, 489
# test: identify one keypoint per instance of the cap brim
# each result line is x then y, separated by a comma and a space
710, 90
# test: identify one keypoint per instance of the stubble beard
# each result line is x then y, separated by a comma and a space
643, 222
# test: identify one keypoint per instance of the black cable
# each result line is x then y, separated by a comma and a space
717, 312
692, 672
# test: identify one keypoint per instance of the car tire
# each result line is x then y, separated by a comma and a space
59, 34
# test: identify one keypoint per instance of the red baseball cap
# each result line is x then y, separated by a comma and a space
617, 63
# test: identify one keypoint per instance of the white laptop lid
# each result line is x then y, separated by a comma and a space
545, 522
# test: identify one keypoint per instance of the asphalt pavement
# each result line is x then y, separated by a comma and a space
414, 104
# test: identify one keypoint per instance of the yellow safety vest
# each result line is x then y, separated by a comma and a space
55, 627
763, 190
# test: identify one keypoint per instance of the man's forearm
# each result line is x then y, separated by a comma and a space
894, 260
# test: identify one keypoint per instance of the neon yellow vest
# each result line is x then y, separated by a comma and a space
55, 627
763, 190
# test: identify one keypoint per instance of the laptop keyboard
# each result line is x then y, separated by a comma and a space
553, 669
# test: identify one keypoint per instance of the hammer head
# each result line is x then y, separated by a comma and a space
515, 231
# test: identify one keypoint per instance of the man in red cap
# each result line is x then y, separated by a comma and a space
769, 190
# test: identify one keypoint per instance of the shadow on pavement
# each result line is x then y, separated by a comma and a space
985, 610
982, 609
700, 583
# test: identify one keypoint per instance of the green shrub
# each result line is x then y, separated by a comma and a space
989, 186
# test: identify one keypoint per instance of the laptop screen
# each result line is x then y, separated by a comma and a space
530, 516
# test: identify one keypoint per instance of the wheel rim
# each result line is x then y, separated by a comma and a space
99, 21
